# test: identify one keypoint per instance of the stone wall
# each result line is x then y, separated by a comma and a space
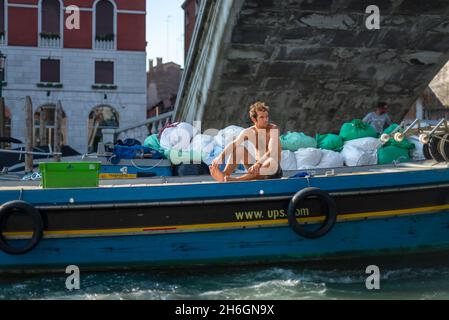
317, 65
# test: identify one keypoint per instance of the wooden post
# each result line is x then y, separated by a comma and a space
2, 120
58, 131
29, 135
43, 127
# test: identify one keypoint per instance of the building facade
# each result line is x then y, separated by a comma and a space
96, 68
163, 84
191, 9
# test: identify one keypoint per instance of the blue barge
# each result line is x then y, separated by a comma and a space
370, 212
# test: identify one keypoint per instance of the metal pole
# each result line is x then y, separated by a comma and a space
29, 135
58, 133
42, 127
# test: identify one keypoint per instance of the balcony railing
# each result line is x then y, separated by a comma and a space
138, 131
105, 42
50, 42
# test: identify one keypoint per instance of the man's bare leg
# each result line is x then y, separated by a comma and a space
240, 156
217, 174
246, 177
252, 177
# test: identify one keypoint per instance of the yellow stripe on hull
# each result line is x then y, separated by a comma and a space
224, 226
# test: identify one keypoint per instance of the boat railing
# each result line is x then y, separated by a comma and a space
138, 131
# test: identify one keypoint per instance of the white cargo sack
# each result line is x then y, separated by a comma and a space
227, 136
417, 154
179, 137
355, 157
308, 158
288, 161
331, 159
365, 144
203, 143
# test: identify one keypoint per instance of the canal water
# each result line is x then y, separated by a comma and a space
255, 283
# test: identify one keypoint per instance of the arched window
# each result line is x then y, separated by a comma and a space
44, 126
51, 18
104, 21
101, 117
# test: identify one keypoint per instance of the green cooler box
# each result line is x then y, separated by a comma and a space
70, 174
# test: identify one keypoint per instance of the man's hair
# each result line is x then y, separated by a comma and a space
380, 105
258, 107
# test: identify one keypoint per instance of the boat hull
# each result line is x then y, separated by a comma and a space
383, 214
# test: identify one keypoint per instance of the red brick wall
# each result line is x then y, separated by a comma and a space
131, 28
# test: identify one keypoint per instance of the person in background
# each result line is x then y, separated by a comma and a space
379, 119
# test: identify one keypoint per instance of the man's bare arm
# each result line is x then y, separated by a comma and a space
229, 148
273, 145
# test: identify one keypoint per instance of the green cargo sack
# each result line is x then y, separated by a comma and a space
389, 155
330, 142
153, 143
357, 129
393, 143
293, 141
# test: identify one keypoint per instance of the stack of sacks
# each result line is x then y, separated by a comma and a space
357, 129
178, 137
208, 158
288, 161
153, 143
331, 159
330, 142
227, 136
361, 152
394, 151
204, 145
308, 158
176, 141
294, 141
417, 153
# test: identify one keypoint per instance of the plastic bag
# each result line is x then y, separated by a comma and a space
293, 141
355, 157
357, 129
227, 136
330, 142
288, 161
389, 155
331, 159
308, 158
178, 137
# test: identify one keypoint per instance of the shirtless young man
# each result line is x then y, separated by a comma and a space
265, 164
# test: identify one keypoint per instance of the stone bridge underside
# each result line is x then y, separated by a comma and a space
315, 62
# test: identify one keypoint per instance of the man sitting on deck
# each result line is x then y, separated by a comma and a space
265, 162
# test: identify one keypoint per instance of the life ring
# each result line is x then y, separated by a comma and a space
330, 213
38, 226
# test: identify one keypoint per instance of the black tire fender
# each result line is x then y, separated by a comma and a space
330, 213
38, 226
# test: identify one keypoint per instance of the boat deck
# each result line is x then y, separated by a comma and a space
14, 182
